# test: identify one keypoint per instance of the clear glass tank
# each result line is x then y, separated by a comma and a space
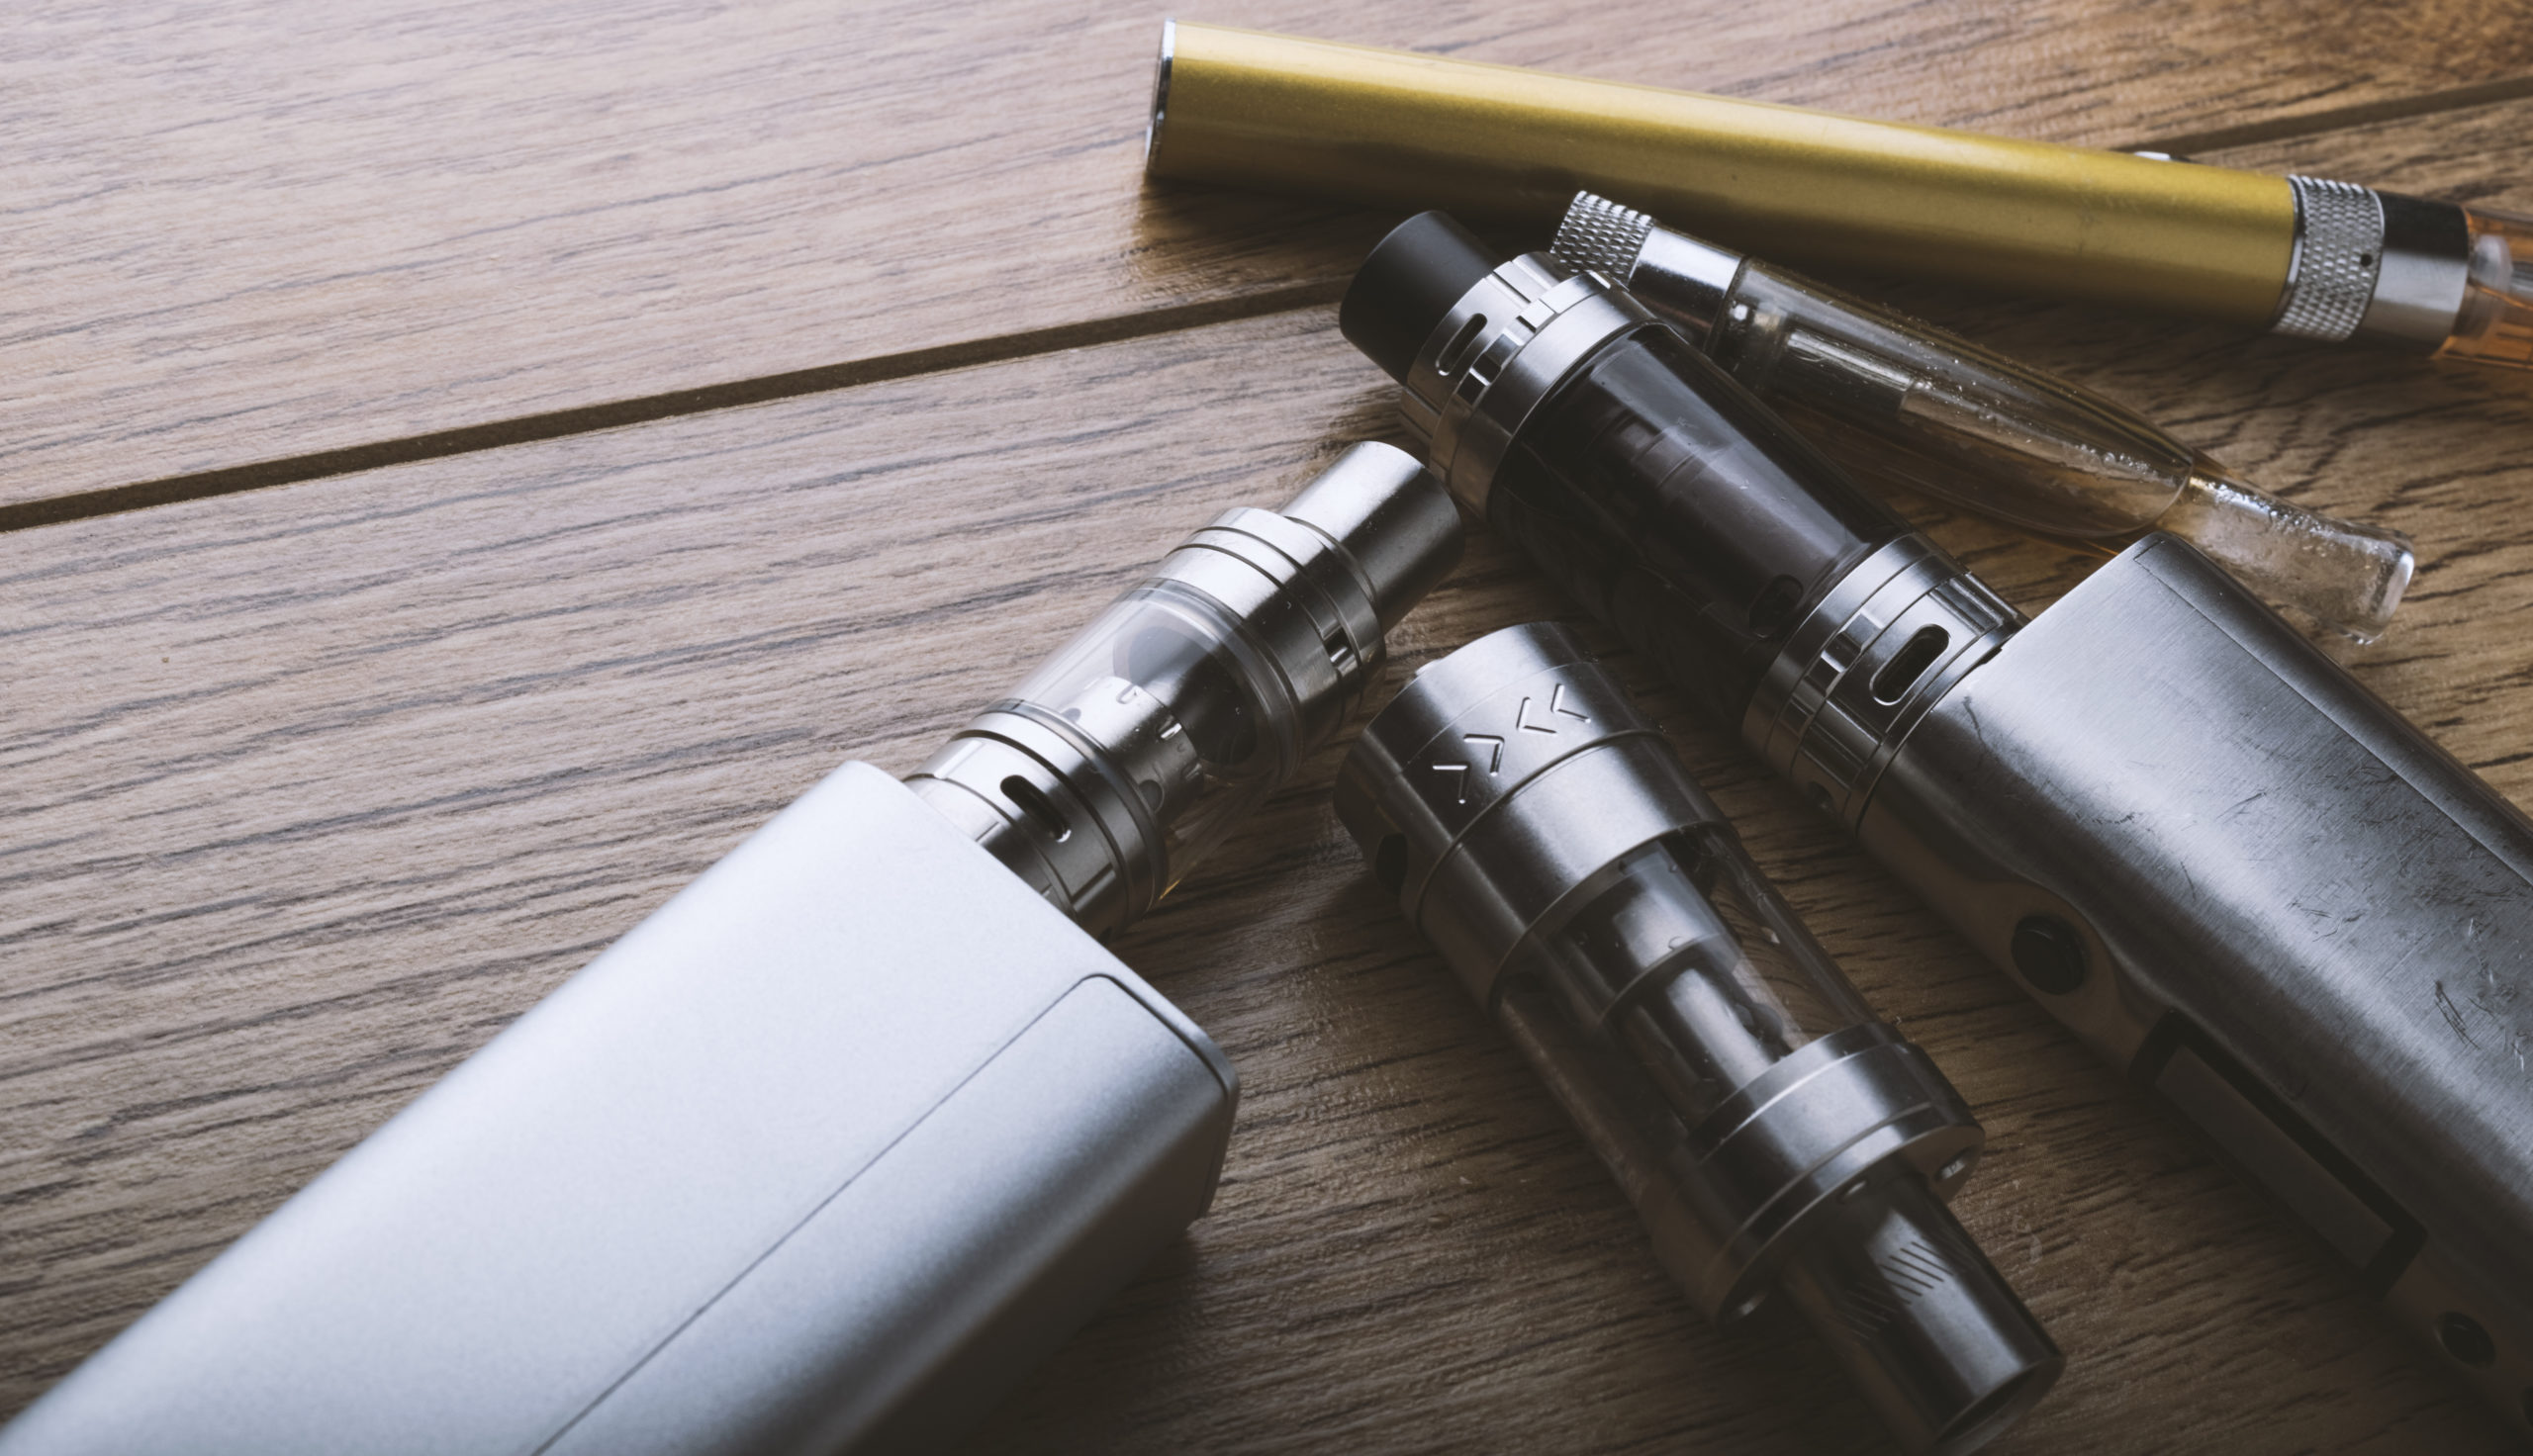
1166, 684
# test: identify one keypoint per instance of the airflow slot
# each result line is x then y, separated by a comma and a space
1340, 649
1904, 670
1035, 803
1453, 353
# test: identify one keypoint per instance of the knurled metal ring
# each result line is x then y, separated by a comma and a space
1600, 236
2339, 246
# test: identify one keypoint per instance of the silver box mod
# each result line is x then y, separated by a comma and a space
2233, 870
861, 1124
819, 1154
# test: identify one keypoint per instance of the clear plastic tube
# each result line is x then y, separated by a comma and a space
1913, 406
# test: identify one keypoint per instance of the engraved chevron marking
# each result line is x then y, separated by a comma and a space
1461, 783
1522, 720
1556, 704
1494, 763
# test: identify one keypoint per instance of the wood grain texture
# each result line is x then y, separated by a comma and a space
314, 788
275, 232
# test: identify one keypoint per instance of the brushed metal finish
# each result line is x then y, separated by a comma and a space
2202, 843
1090, 785
831, 1147
2305, 924
1829, 715
834, 1144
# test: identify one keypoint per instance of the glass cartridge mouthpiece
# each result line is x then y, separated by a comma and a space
2496, 323
1777, 1139
1896, 400
1107, 772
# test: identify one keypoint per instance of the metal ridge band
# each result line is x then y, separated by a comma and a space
2339, 246
1500, 351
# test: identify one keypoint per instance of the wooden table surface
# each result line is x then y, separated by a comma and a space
464, 466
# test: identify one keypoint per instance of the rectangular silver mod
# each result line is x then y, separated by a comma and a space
823, 1153
2236, 871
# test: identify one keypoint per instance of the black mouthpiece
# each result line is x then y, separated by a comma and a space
1407, 285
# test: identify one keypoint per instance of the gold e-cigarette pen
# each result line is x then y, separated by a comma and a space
2297, 255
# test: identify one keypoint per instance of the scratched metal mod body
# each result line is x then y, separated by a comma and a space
2187, 833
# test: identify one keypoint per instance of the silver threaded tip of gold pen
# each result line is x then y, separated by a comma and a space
1600, 235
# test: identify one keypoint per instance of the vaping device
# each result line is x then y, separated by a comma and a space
2189, 833
837, 1143
2297, 255
1890, 399
1777, 1139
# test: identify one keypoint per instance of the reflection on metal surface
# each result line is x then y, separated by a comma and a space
2209, 817
1101, 778
1774, 1135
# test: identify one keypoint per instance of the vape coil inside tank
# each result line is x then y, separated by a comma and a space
1772, 1133
1107, 772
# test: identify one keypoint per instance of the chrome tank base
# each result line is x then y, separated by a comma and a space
2234, 872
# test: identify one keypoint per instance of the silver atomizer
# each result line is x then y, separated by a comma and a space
1777, 1139
2187, 832
836, 1143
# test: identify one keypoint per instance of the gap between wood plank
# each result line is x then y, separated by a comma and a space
644, 409
999, 348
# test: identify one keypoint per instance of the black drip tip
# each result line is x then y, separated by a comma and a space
1406, 287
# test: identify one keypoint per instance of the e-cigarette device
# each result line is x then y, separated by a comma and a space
2189, 833
1893, 399
827, 1150
2297, 255
1777, 1139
